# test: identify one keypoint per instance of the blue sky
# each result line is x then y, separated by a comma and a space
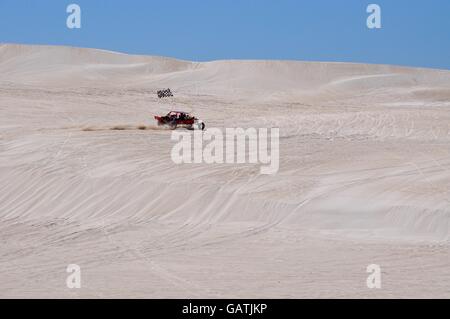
414, 32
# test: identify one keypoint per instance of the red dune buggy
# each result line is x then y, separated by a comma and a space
180, 119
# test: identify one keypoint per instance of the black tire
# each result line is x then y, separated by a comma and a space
203, 126
173, 125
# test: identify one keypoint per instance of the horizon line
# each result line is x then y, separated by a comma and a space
225, 59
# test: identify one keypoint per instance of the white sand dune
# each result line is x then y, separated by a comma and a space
87, 178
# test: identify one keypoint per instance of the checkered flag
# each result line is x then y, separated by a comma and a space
164, 93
